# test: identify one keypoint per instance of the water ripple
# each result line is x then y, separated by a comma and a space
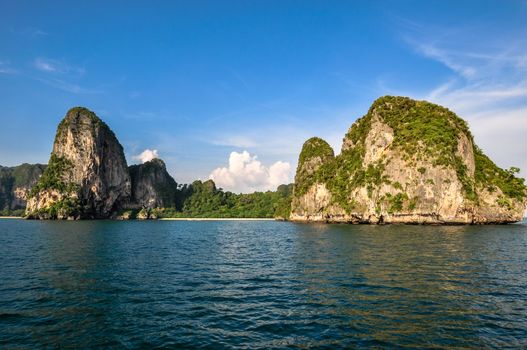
268, 285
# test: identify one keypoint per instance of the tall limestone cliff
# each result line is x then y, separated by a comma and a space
152, 185
15, 184
87, 175
405, 161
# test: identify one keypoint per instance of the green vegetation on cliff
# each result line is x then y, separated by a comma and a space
490, 175
421, 129
315, 147
315, 152
53, 177
67, 207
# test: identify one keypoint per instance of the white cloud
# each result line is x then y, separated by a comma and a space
35, 32
446, 58
5, 68
69, 87
61, 75
45, 65
245, 173
279, 173
49, 65
147, 155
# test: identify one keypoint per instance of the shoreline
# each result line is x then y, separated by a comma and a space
247, 219
216, 219
174, 219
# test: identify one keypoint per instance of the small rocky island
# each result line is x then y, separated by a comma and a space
405, 161
87, 176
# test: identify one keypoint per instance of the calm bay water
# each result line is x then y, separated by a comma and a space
261, 285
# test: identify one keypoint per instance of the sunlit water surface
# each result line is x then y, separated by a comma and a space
261, 285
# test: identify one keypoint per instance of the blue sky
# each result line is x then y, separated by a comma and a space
231, 89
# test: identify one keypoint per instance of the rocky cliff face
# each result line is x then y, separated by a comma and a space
16, 183
87, 175
152, 186
405, 161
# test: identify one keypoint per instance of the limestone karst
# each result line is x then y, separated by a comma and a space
405, 161
87, 175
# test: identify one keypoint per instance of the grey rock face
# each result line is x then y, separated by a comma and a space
152, 185
15, 184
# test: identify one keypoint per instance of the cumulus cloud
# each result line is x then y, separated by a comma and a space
245, 173
147, 155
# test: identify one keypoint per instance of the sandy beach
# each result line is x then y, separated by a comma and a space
216, 219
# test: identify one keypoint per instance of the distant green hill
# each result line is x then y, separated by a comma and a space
15, 183
204, 200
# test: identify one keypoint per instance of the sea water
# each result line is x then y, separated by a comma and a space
238, 284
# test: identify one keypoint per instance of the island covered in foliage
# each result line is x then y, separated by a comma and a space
405, 161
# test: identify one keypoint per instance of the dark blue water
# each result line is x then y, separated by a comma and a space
261, 285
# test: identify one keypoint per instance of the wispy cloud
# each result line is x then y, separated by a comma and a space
487, 87
56, 66
447, 59
36, 32
68, 87
59, 81
45, 65
29, 32
5, 68
238, 141
154, 116
272, 140
61, 75
283, 134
